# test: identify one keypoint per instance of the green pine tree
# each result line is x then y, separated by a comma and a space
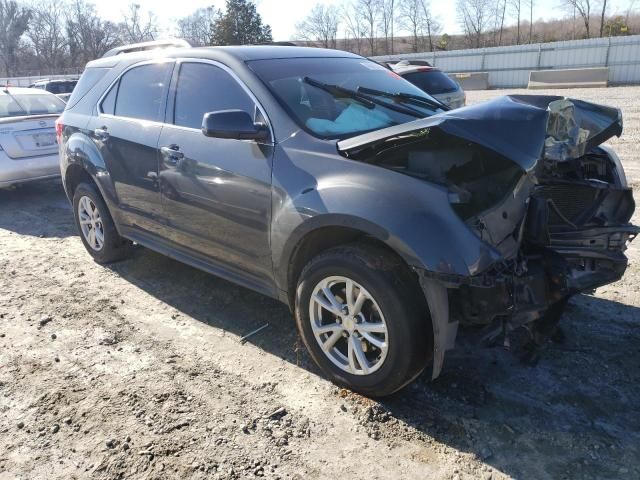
240, 24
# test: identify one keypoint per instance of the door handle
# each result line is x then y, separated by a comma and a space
172, 154
101, 133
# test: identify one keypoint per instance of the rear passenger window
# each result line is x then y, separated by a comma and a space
87, 81
204, 88
142, 90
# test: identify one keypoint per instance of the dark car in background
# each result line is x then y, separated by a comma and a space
60, 87
432, 81
326, 181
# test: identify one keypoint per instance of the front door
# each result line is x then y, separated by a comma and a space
126, 131
216, 192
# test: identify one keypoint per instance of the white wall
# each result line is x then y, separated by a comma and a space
510, 66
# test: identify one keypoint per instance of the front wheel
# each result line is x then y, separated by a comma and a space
363, 320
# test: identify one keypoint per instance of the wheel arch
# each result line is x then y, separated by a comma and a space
321, 234
82, 160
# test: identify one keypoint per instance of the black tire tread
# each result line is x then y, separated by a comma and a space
393, 272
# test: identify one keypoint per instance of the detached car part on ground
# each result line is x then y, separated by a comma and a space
326, 181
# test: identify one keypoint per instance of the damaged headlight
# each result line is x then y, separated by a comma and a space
477, 178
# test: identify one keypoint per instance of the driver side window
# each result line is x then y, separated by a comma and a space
204, 88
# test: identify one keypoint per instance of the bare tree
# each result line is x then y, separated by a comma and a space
14, 20
604, 11
354, 26
501, 10
412, 19
583, 7
369, 11
196, 28
475, 16
430, 22
516, 10
530, 4
386, 23
88, 36
46, 33
630, 8
137, 27
321, 25
416, 17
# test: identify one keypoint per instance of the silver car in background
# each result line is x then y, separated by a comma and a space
28, 146
432, 81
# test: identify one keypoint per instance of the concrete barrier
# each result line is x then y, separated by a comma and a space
472, 80
569, 78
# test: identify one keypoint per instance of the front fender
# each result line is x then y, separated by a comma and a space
411, 216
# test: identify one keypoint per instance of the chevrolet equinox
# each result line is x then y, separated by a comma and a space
326, 181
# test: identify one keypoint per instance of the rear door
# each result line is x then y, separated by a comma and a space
216, 192
126, 131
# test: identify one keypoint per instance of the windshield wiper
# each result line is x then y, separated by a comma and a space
366, 100
338, 91
405, 97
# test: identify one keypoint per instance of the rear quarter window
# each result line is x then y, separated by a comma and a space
432, 82
88, 80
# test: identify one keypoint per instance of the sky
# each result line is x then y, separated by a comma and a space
283, 15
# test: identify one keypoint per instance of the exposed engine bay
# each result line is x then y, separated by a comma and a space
528, 175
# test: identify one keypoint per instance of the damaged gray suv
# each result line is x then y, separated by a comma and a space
326, 181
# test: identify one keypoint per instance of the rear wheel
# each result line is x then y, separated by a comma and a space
96, 227
362, 319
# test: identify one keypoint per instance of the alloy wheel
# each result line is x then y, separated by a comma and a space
91, 223
348, 325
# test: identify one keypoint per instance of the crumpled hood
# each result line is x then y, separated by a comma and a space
523, 128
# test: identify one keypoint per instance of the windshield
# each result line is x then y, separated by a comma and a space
341, 97
432, 82
17, 105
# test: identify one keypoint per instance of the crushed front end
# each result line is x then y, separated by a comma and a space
529, 176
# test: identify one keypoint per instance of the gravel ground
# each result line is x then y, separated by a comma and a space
136, 371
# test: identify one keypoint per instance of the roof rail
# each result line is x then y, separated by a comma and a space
139, 47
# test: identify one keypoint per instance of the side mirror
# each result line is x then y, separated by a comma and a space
236, 124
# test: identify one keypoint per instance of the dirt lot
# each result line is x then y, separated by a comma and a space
136, 371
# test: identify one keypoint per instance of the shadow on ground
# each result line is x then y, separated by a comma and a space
573, 415
38, 209
558, 418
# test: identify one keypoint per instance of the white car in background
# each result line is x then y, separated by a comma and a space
28, 146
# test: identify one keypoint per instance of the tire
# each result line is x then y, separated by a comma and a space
112, 247
395, 301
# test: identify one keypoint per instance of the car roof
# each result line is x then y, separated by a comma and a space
238, 53
23, 91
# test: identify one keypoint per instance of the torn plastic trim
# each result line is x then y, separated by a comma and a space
444, 330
